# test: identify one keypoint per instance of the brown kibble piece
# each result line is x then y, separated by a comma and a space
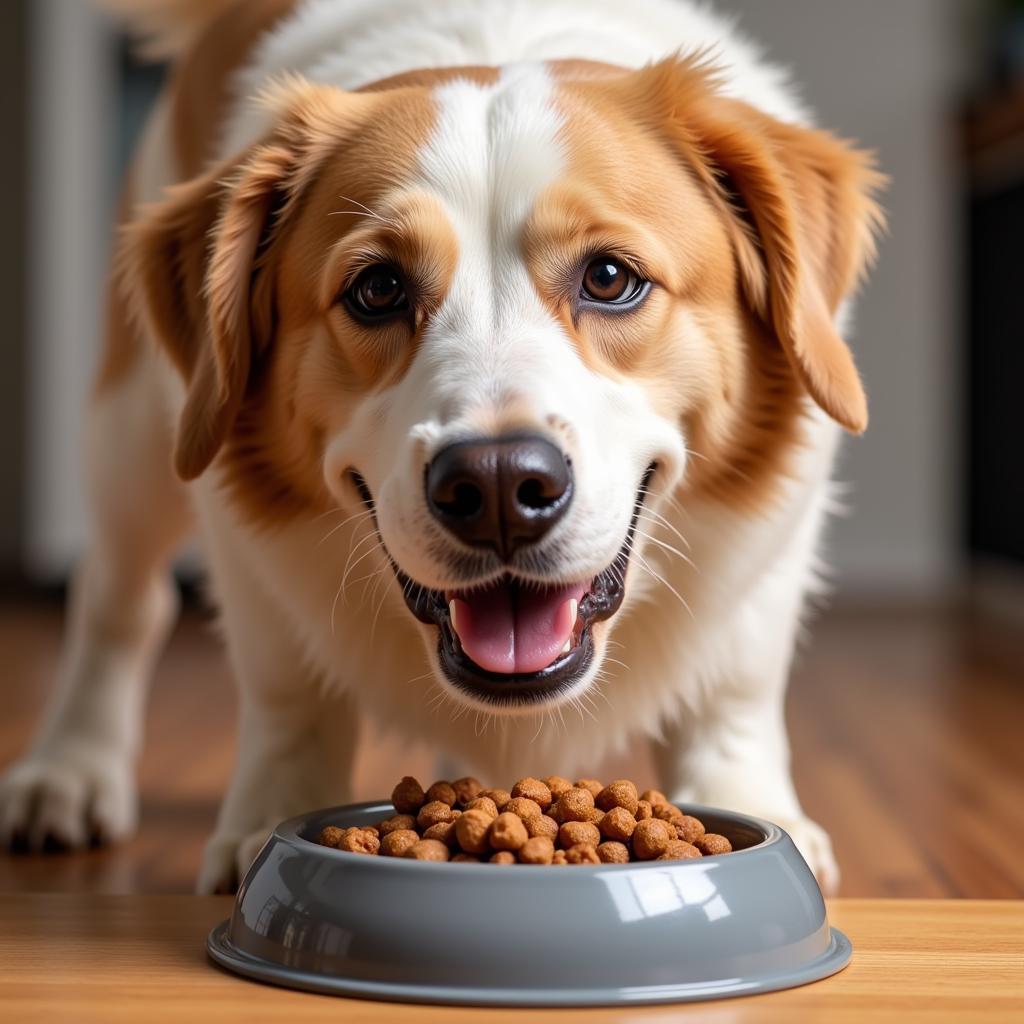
330, 836
678, 850
618, 824
408, 796
524, 807
582, 853
668, 812
433, 813
688, 828
465, 858
443, 792
595, 817
503, 857
572, 833
575, 805
592, 785
559, 858
471, 830
499, 796
711, 843
399, 821
397, 843
620, 793
542, 825
613, 853
643, 810
443, 831
428, 849
483, 803
557, 784
650, 838
535, 790
466, 789
654, 797
538, 850
359, 840
507, 832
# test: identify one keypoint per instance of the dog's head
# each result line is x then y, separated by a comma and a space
496, 311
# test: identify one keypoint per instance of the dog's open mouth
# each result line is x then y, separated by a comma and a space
516, 641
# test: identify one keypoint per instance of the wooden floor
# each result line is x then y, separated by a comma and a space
906, 729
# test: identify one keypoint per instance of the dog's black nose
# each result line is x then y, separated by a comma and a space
502, 493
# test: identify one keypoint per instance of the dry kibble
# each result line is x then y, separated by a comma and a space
617, 824
483, 803
499, 796
507, 832
613, 853
620, 793
575, 805
582, 853
546, 821
593, 785
678, 850
433, 813
538, 850
331, 836
397, 843
557, 785
443, 831
688, 828
443, 792
711, 843
535, 790
524, 807
359, 840
572, 833
428, 849
466, 789
650, 838
399, 821
408, 796
542, 825
471, 831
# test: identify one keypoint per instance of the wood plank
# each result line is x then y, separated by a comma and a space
109, 958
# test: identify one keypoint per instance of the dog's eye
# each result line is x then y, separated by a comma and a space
378, 292
607, 280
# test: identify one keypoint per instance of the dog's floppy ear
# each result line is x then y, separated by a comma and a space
800, 208
188, 265
193, 266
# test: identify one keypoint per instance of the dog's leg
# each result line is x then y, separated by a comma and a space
732, 751
76, 783
296, 743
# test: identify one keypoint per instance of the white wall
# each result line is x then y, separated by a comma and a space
885, 72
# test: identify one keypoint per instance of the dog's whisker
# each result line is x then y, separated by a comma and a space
650, 513
643, 563
665, 546
377, 547
366, 512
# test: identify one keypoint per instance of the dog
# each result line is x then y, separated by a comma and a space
493, 350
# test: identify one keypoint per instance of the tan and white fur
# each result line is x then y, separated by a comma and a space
251, 446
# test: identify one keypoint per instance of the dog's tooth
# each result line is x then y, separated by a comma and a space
574, 609
451, 615
568, 646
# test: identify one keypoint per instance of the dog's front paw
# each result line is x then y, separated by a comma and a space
66, 798
816, 848
227, 858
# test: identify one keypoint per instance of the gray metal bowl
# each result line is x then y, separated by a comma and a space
666, 931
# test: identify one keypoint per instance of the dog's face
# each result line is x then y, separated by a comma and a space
496, 312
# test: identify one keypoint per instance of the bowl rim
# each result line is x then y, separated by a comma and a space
288, 832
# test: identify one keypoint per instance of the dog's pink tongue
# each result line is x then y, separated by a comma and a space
505, 628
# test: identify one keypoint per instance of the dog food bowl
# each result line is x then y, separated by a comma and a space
315, 918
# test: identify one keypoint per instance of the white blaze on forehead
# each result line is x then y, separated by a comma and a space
494, 150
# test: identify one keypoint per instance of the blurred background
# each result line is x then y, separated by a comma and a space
929, 560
